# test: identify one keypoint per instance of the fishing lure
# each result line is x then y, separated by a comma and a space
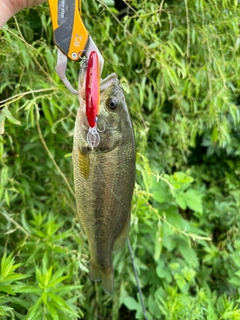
92, 99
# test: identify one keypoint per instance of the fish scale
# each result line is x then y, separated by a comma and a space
104, 180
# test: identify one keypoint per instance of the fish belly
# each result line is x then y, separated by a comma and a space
104, 185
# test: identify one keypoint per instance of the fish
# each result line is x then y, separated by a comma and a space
104, 177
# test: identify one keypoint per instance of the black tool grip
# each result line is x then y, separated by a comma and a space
63, 34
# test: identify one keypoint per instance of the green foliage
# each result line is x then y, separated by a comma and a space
8, 286
178, 62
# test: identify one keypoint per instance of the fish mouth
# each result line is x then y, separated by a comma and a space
104, 83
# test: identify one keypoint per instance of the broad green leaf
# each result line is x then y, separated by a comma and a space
175, 219
47, 277
4, 175
163, 272
47, 113
6, 311
7, 289
52, 311
5, 112
52, 283
153, 307
181, 200
160, 190
182, 177
188, 254
30, 289
64, 288
131, 303
194, 200
59, 302
7, 266
235, 281
15, 277
158, 240
237, 274
33, 311
7, 197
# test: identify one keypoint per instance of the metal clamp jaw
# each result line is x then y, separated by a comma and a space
71, 36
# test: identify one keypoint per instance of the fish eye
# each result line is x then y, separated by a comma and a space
112, 104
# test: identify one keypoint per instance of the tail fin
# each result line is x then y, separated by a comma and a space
95, 273
107, 280
106, 275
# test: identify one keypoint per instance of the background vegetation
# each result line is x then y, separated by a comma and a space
179, 64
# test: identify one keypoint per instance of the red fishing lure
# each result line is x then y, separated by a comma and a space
92, 89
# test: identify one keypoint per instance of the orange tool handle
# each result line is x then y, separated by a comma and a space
70, 34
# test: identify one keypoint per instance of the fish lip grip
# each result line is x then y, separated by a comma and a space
92, 89
70, 36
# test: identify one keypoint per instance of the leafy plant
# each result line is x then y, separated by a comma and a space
178, 63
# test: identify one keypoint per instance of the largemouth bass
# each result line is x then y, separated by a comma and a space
104, 178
